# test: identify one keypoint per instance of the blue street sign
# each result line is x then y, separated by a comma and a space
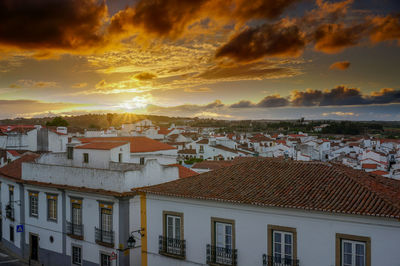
20, 228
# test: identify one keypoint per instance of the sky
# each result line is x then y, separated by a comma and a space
222, 59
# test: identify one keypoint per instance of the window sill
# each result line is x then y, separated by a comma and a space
104, 244
75, 237
164, 253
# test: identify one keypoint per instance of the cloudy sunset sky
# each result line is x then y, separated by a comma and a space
226, 59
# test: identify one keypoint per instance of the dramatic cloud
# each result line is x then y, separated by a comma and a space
258, 9
268, 40
243, 104
23, 83
339, 96
46, 24
166, 18
385, 29
334, 38
343, 65
145, 76
273, 101
255, 71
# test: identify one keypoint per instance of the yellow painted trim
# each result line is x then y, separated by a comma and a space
143, 223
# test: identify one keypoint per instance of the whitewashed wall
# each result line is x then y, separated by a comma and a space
315, 232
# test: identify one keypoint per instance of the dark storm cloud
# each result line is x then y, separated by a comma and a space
243, 104
49, 24
258, 9
272, 40
339, 96
167, 18
273, 101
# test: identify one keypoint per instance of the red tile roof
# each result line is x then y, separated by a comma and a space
369, 166
221, 147
202, 141
380, 172
101, 145
164, 131
291, 184
13, 169
138, 144
212, 165
184, 171
14, 153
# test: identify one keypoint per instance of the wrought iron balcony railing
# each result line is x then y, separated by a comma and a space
279, 261
75, 229
10, 212
104, 237
221, 256
171, 246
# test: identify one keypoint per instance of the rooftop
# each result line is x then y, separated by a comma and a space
13, 169
292, 184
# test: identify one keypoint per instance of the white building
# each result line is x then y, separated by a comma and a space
75, 208
269, 212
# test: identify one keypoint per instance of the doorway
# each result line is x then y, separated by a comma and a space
34, 247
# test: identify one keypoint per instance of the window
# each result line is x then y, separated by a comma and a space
106, 219
86, 157
172, 240
70, 153
141, 160
11, 194
105, 260
33, 204
223, 243
201, 149
11, 233
76, 212
76, 255
353, 250
120, 157
52, 207
282, 245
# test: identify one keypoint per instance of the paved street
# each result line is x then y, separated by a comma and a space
7, 258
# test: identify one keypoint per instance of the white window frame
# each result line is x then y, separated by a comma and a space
73, 262
353, 252
109, 263
282, 244
52, 215
32, 213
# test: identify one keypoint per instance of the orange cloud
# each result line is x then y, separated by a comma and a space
340, 65
385, 29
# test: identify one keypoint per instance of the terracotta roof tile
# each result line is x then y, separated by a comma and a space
184, 171
290, 184
138, 144
13, 169
369, 166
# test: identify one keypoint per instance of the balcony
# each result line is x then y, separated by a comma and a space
104, 238
75, 230
10, 212
221, 256
279, 261
172, 247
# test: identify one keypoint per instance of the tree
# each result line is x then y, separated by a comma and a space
57, 122
110, 118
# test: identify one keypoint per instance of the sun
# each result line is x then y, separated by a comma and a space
137, 102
